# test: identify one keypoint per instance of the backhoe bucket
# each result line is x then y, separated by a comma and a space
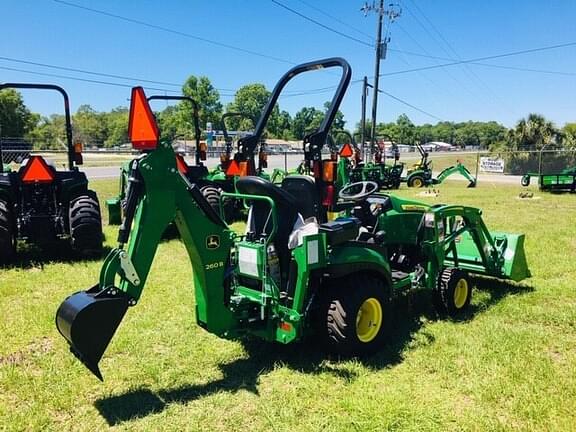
472, 184
88, 320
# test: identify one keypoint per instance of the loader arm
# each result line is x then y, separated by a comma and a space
456, 236
157, 194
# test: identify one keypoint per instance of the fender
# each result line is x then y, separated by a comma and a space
350, 258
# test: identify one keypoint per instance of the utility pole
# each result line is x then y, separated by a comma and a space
392, 13
365, 86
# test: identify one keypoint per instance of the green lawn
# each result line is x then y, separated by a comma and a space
510, 366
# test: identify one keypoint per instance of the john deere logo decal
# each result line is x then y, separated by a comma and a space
213, 241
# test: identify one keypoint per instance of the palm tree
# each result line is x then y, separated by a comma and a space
533, 133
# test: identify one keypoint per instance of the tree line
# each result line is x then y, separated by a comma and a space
109, 129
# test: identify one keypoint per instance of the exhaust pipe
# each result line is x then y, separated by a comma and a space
88, 321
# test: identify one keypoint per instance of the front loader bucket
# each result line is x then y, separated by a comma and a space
88, 320
515, 264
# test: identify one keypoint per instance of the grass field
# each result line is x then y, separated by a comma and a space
510, 365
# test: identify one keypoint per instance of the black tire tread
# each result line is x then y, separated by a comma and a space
443, 295
7, 240
338, 307
85, 223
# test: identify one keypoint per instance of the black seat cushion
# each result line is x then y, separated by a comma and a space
260, 220
303, 189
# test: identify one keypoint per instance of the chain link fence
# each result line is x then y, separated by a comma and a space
518, 163
14, 150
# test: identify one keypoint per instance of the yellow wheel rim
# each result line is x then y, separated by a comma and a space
417, 183
369, 320
460, 293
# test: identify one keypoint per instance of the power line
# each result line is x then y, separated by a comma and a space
465, 67
69, 69
325, 89
93, 81
337, 19
474, 63
83, 79
410, 105
65, 68
523, 69
480, 59
396, 98
307, 18
176, 32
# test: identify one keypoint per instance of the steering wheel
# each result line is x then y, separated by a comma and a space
367, 188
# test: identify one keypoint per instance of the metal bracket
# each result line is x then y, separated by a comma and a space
128, 269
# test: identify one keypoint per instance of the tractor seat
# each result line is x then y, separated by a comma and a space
260, 220
303, 189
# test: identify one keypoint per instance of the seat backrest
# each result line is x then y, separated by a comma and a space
259, 221
303, 189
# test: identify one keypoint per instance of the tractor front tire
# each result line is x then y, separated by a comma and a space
85, 223
453, 292
416, 181
354, 315
7, 237
525, 180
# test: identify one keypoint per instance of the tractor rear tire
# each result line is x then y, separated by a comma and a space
85, 223
416, 181
7, 237
525, 180
453, 292
354, 315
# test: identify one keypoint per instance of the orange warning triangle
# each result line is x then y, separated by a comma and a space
37, 170
142, 127
181, 164
346, 150
233, 169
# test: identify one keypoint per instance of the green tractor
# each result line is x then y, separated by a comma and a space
420, 174
353, 169
226, 158
289, 275
40, 204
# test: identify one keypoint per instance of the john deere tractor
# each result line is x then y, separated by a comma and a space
420, 174
290, 275
40, 204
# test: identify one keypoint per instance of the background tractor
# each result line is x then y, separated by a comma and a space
290, 275
420, 174
385, 175
40, 204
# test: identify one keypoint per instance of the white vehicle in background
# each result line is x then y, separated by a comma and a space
438, 146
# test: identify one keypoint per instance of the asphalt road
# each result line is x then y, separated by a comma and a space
291, 160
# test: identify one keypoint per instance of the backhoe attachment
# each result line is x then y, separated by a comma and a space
157, 194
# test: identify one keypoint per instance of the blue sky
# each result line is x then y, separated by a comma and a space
51, 32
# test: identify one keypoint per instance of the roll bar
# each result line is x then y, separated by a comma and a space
315, 140
68, 124
195, 116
